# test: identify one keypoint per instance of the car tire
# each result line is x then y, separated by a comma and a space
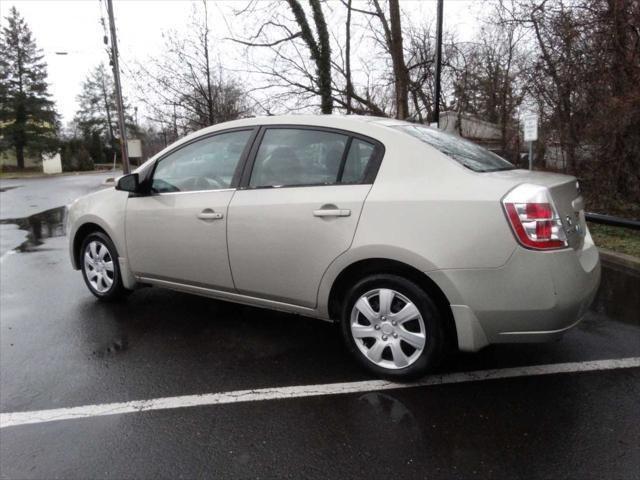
400, 335
98, 261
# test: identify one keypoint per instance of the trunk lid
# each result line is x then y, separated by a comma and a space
564, 192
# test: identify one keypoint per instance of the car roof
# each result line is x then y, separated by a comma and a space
304, 119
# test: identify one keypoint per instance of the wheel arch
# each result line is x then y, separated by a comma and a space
81, 233
364, 267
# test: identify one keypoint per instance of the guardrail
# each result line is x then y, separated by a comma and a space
612, 221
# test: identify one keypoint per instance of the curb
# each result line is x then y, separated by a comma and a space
51, 175
619, 259
616, 296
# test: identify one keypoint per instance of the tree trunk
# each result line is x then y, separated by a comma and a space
324, 60
205, 42
20, 156
320, 50
348, 59
622, 81
399, 67
19, 135
105, 98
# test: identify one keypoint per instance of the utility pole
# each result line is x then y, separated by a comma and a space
436, 110
116, 78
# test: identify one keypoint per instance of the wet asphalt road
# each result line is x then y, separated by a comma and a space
60, 348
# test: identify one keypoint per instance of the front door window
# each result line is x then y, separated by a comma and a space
207, 164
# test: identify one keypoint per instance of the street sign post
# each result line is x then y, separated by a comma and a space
530, 130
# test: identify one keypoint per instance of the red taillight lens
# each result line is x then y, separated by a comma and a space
533, 218
543, 230
538, 210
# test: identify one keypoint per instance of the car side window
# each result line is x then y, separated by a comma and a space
207, 164
358, 159
290, 156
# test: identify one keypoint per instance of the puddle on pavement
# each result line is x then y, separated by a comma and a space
40, 226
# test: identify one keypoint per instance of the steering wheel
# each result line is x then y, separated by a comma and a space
219, 181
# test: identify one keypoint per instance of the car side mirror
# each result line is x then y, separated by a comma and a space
129, 183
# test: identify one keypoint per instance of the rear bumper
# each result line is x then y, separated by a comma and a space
535, 297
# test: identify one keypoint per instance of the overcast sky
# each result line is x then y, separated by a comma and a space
73, 26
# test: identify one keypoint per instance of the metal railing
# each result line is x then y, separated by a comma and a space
612, 221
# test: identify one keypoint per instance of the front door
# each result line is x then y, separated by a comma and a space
178, 233
298, 212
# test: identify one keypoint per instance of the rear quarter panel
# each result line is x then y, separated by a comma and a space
426, 203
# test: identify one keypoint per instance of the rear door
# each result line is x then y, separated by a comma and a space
298, 209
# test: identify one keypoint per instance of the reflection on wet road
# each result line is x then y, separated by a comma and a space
40, 226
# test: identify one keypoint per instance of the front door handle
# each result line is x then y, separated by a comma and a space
208, 214
332, 212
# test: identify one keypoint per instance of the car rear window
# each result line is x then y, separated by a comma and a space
467, 153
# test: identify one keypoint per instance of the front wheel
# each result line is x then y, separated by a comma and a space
392, 327
100, 269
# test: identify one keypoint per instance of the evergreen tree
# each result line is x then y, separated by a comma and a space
28, 121
96, 148
97, 115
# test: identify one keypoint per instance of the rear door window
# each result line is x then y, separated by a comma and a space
358, 161
297, 157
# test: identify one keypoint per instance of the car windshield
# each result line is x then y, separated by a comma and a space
467, 153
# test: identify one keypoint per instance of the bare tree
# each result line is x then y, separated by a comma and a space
393, 35
390, 37
316, 41
584, 73
486, 74
183, 90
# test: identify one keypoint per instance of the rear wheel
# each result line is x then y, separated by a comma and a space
100, 269
392, 327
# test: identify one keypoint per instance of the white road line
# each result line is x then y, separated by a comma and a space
24, 418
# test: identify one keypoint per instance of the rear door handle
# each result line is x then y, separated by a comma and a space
208, 214
332, 212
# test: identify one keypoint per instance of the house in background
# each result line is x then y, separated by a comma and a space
472, 128
8, 160
487, 134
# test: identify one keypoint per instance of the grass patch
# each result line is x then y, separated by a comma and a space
621, 240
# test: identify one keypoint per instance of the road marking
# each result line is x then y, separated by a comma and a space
42, 416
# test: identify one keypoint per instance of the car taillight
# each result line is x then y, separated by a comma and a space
533, 218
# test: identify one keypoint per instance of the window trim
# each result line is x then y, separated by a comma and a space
343, 160
370, 172
235, 180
